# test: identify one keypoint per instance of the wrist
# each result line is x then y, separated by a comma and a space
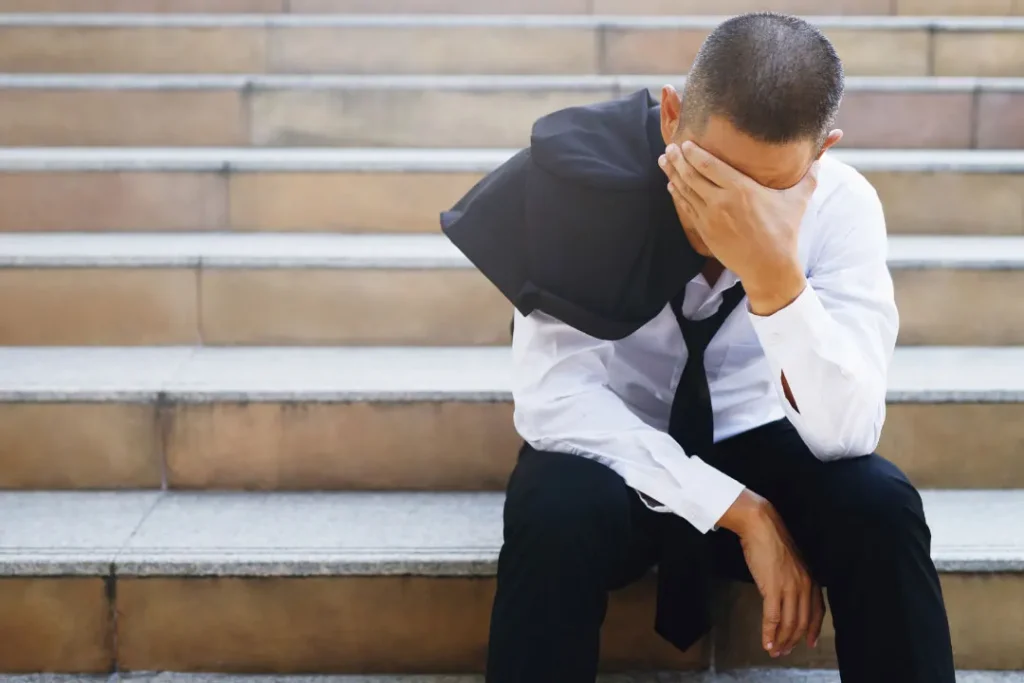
748, 511
769, 294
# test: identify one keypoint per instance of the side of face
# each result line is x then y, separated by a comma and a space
775, 165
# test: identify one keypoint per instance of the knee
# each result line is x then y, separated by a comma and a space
574, 510
880, 501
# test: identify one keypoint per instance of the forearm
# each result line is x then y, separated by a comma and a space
596, 424
830, 379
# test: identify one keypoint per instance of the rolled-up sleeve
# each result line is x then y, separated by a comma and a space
563, 404
835, 342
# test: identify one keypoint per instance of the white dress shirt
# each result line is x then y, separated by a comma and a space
610, 400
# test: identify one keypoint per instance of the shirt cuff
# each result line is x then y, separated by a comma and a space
791, 331
707, 496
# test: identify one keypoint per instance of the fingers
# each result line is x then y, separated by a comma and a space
703, 187
817, 616
674, 171
711, 167
803, 618
683, 205
787, 627
770, 619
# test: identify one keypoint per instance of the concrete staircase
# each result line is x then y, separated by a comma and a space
254, 409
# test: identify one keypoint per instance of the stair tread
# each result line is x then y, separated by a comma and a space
474, 82
167, 20
362, 533
227, 250
739, 676
221, 159
396, 374
415, 251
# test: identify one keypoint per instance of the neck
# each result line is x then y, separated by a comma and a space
712, 271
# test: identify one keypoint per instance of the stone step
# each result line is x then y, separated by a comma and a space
399, 418
751, 675
525, 44
69, 289
451, 111
390, 582
355, 190
673, 7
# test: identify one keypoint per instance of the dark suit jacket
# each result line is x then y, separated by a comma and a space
580, 225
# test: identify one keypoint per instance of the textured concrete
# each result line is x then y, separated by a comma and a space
230, 251
364, 534
460, 82
88, 374
968, 253
67, 533
57, 624
918, 374
317, 289
317, 534
749, 676
426, 160
956, 374
419, 252
434, 21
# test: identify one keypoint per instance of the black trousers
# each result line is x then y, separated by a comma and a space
575, 531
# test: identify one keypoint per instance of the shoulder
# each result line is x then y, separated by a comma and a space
845, 217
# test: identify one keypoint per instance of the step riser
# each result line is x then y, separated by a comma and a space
352, 625
256, 307
915, 202
339, 625
444, 118
678, 7
454, 307
471, 49
984, 615
398, 446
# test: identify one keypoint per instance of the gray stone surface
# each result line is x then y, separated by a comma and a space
215, 159
957, 374
350, 374
134, 374
362, 533
58, 678
457, 82
744, 676
228, 250
311, 534
60, 533
417, 20
918, 374
319, 250
964, 252
976, 531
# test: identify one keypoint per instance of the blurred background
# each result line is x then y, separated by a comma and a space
254, 408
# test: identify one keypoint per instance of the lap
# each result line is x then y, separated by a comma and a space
821, 502
567, 497
827, 505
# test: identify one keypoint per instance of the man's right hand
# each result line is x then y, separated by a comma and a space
793, 604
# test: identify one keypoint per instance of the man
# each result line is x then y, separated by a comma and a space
717, 425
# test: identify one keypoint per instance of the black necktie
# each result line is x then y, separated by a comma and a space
692, 421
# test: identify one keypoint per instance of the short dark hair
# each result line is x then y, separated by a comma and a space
773, 76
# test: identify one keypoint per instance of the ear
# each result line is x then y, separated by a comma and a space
671, 111
833, 137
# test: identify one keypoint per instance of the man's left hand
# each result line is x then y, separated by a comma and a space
751, 229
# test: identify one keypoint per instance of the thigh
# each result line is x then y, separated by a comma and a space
824, 504
566, 501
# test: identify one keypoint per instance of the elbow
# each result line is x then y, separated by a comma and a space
854, 430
